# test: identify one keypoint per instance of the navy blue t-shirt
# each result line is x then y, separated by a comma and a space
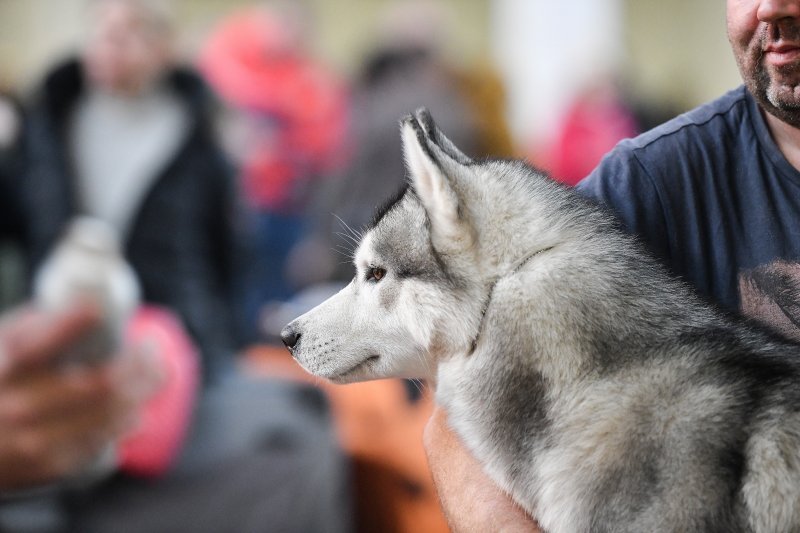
713, 196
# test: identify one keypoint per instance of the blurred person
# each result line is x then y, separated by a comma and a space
715, 194
596, 120
289, 112
404, 71
123, 134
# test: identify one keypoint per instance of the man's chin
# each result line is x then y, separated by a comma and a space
784, 97
778, 97
781, 84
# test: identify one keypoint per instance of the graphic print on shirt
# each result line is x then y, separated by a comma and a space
771, 294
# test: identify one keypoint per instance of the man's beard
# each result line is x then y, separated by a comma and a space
777, 89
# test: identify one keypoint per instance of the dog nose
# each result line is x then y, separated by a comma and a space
290, 336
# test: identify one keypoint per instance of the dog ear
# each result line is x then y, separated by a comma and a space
432, 184
436, 136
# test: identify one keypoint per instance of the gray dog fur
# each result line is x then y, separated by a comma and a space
598, 391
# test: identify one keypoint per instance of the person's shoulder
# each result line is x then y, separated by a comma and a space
709, 121
693, 138
642, 169
191, 88
58, 89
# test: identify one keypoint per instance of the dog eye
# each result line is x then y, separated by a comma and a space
375, 273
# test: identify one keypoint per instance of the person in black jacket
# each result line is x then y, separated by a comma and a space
123, 135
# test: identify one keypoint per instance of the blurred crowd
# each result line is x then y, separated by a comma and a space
237, 182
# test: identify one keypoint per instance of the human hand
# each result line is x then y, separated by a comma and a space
55, 420
470, 499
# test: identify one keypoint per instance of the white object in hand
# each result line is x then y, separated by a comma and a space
87, 264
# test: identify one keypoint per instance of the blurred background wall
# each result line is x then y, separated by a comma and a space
678, 50
669, 54
34, 32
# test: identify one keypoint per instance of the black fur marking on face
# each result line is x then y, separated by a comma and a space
406, 263
387, 206
403, 246
439, 273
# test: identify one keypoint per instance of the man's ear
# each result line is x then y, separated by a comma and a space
433, 186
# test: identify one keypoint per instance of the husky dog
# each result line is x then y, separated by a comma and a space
598, 391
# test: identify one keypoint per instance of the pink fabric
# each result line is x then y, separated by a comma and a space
591, 127
296, 106
152, 447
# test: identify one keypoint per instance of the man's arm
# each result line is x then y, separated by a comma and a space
54, 421
470, 500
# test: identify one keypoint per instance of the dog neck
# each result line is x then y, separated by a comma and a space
516, 268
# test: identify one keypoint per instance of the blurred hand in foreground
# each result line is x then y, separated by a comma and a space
56, 419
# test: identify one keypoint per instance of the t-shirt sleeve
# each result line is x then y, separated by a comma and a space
623, 184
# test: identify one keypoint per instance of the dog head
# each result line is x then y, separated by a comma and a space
421, 276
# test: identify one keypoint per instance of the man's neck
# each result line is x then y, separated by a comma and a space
787, 137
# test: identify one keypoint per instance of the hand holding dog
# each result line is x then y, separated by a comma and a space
54, 420
470, 500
